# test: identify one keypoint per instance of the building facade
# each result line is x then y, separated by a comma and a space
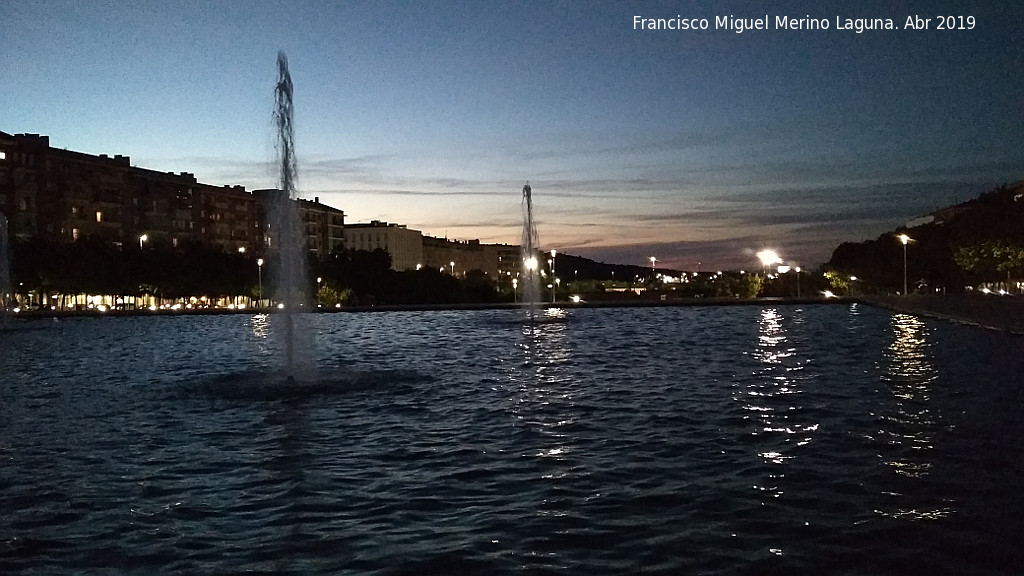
456, 256
324, 225
404, 245
61, 195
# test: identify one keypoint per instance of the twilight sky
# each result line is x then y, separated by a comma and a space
694, 146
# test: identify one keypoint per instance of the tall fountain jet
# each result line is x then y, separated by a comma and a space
286, 227
528, 251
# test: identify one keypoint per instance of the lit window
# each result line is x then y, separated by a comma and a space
3, 155
74, 233
99, 216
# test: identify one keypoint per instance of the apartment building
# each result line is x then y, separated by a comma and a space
404, 245
62, 195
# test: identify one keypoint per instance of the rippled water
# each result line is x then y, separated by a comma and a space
775, 439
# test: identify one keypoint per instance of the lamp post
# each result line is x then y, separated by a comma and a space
142, 239
905, 240
515, 290
653, 260
553, 278
259, 268
453, 267
551, 266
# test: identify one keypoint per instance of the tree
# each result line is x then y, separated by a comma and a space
331, 297
990, 260
749, 285
838, 282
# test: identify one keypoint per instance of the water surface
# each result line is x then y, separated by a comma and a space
719, 440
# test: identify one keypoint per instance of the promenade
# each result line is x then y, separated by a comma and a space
1003, 313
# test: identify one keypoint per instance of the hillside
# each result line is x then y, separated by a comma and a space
978, 241
569, 267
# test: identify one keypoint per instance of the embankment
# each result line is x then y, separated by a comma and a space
1004, 313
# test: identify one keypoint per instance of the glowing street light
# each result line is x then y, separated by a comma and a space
142, 239
552, 262
531, 264
515, 289
259, 267
768, 257
905, 240
797, 269
453, 267
653, 260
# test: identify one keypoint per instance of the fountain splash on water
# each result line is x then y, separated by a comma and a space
528, 251
292, 281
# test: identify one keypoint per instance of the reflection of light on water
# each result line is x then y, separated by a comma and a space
261, 326
770, 397
777, 379
556, 451
914, 514
771, 337
774, 457
910, 375
555, 313
544, 393
908, 429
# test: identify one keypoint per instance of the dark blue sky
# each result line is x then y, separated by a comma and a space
692, 146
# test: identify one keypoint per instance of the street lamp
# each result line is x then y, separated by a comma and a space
552, 262
453, 267
797, 281
515, 290
767, 258
653, 260
905, 240
259, 267
142, 239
